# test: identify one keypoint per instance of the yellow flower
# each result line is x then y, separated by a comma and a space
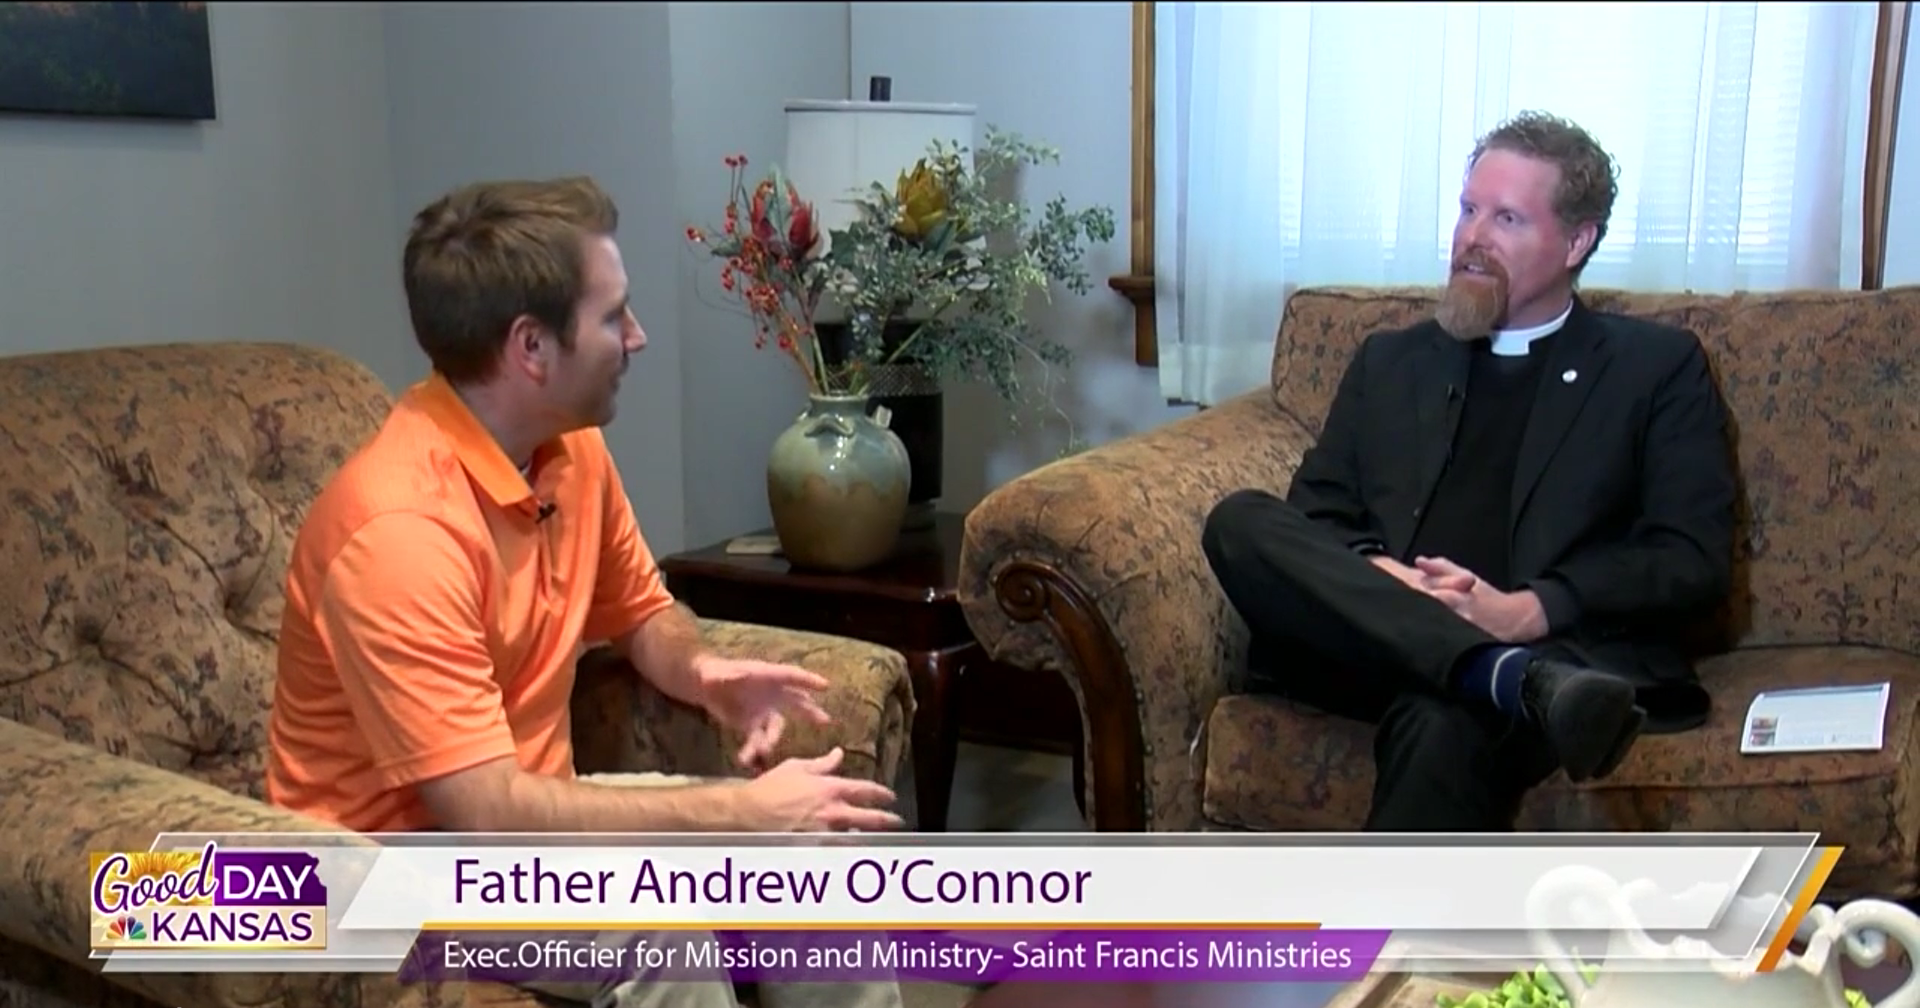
923, 202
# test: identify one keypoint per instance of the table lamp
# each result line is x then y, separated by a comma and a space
835, 151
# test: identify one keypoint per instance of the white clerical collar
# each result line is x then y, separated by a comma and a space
1514, 342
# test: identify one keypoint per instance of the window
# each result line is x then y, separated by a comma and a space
1324, 143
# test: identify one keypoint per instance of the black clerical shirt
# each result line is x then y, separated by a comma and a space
1468, 519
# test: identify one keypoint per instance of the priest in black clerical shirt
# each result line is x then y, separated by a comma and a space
1513, 517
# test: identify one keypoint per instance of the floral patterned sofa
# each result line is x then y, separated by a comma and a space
148, 497
1091, 567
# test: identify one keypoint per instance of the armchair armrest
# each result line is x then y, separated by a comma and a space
66, 800
621, 723
1092, 566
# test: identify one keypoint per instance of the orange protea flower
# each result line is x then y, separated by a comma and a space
768, 241
757, 217
802, 231
803, 234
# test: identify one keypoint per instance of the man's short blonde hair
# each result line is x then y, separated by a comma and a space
485, 254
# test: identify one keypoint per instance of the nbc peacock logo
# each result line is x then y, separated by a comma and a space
128, 928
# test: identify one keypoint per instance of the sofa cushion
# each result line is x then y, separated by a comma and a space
1275, 766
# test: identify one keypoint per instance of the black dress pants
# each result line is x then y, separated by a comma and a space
1336, 633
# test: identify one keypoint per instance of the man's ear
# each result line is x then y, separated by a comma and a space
528, 347
1580, 242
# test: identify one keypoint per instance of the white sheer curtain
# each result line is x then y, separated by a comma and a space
1318, 143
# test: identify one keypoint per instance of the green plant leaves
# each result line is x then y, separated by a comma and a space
953, 251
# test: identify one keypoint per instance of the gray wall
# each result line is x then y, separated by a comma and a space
735, 399
274, 223
499, 90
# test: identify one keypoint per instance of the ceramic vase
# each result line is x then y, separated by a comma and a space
912, 395
837, 484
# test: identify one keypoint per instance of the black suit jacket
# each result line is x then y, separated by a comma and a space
1622, 514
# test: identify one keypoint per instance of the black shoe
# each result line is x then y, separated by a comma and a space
1588, 717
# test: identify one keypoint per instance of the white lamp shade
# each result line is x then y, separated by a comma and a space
836, 150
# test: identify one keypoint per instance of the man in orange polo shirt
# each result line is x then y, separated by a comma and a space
444, 583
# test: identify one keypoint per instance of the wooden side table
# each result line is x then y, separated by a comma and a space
910, 604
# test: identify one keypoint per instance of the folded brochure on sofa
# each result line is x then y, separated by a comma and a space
1817, 719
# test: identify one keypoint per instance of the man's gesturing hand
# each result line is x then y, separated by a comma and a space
803, 796
755, 698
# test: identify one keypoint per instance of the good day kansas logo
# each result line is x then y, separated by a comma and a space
243, 898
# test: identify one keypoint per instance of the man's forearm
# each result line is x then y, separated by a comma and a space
538, 804
500, 797
667, 651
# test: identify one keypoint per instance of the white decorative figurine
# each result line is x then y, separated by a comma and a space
1860, 931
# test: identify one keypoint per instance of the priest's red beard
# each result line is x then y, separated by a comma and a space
1473, 304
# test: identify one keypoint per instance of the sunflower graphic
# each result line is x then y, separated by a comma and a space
156, 865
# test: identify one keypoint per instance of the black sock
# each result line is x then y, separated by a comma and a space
1492, 675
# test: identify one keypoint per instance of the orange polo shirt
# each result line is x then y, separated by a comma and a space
433, 617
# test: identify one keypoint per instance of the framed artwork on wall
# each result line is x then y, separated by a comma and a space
120, 58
